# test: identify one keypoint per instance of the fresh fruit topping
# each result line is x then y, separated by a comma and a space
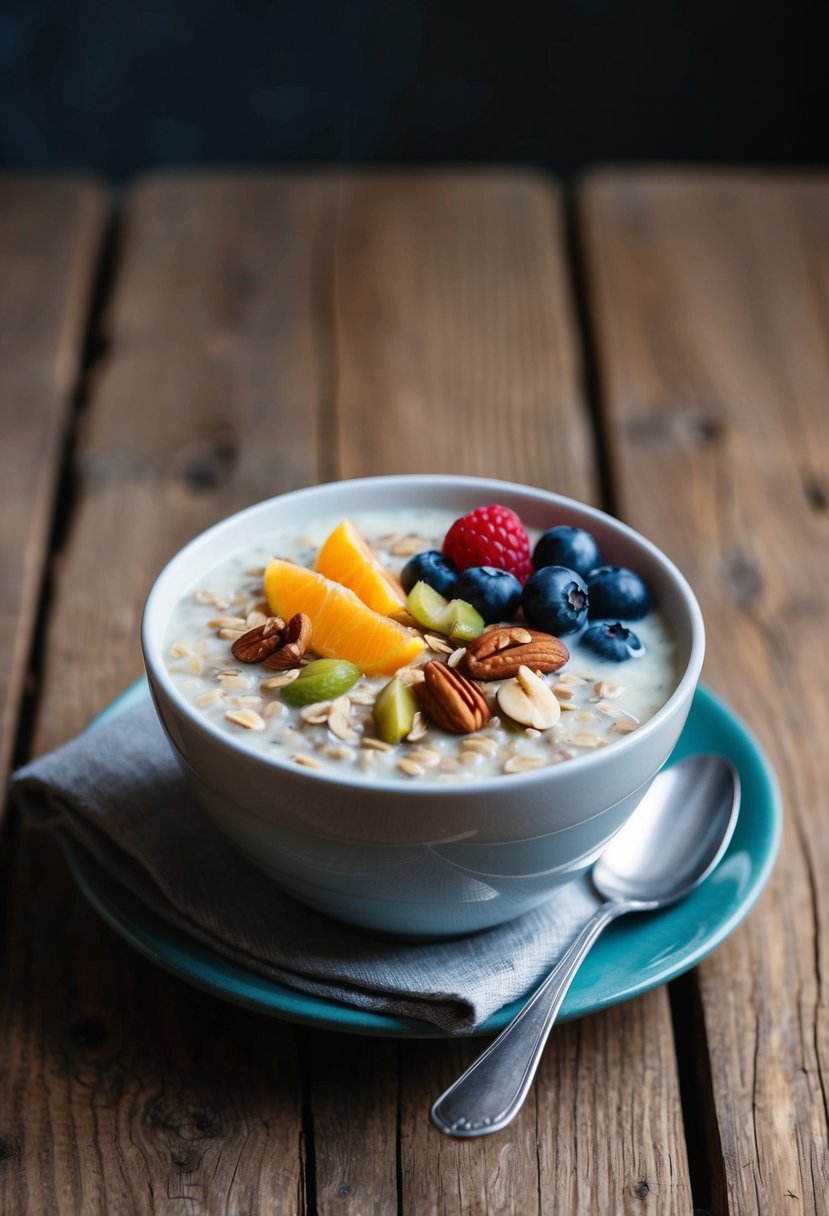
555, 600
322, 680
454, 618
433, 568
394, 711
567, 546
613, 642
495, 593
498, 653
529, 701
617, 592
451, 701
343, 626
490, 536
347, 558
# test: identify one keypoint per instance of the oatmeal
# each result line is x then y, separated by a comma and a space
440, 693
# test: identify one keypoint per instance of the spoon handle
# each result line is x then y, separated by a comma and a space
492, 1090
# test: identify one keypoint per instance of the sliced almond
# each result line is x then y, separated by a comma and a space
285, 677
247, 718
339, 720
437, 644
528, 700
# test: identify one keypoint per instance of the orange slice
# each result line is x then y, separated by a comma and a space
347, 558
343, 626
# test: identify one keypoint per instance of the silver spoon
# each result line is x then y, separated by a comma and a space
672, 841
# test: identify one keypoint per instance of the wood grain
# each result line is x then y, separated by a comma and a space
263, 332
204, 400
457, 350
710, 297
50, 235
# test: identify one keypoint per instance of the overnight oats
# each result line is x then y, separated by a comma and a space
416, 646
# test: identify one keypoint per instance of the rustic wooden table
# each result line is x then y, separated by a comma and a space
656, 342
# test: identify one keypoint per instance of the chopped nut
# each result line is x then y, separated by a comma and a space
420, 729
296, 641
499, 653
411, 675
247, 718
437, 644
528, 700
451, 700
456, 656
285, 677
259, 642
339, 719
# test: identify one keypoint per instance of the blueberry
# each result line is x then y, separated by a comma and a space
433, 568
495, 593
570, 547
617, 592
612, 641
555, 600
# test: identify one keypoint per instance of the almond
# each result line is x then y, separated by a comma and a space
450, 700
499, 653
528, 700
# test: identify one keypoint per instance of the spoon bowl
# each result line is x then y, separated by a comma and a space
675, 837
668, 846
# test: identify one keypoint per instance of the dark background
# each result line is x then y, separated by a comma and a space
123, 86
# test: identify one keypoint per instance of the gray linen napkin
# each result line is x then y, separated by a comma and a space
117, 791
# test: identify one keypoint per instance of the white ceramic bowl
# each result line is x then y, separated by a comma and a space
403, 858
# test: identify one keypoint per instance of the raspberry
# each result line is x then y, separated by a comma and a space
490, 536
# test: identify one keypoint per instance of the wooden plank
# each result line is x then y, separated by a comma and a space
50, 234
205, 400
709, 294
456, 350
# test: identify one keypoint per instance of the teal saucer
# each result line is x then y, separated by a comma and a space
634, 955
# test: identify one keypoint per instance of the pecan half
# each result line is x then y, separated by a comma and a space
450, 700
296, 639
498, 653
260, 642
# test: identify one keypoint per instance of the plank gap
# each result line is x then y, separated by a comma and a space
585, 335
702, 1137
303, 1046
66, 496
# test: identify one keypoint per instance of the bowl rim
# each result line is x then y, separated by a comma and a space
595, 761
